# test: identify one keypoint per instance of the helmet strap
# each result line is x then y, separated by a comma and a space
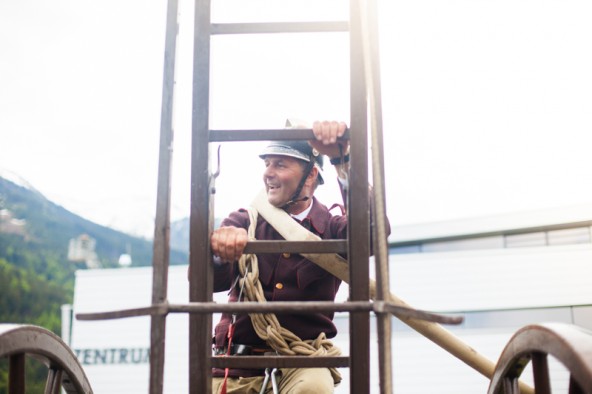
295, 198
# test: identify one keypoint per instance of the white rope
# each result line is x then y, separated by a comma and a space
266, 325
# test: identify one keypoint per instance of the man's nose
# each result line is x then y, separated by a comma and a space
268, 173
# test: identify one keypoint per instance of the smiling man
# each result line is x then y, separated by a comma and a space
291, 176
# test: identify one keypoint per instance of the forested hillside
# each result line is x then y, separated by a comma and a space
36, 277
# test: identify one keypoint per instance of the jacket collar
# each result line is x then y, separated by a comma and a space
318, 216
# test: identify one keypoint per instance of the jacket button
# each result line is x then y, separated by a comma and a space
286, 255
279, 286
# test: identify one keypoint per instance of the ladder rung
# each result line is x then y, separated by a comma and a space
279, 27
265, 135
328, 246
302, 307
295, 307
279, 362
275, 307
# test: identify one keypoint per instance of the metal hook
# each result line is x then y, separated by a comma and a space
274, 383
265, 381
215, 174
343, 174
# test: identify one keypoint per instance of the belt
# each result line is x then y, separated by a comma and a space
237, 349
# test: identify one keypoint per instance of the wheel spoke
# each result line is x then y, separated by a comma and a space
540, 371
16, 372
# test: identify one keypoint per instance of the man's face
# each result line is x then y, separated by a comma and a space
281, 177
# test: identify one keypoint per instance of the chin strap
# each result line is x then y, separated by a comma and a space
295, 198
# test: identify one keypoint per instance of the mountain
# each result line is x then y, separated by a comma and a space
179, 237
33, 223
36, 275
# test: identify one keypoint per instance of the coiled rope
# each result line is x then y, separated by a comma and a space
266, 325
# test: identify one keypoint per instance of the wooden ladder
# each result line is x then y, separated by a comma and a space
365, 109
201, 220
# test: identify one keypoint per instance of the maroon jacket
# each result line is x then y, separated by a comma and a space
284, 277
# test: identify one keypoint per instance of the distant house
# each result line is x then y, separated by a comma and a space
11, 225
82, 250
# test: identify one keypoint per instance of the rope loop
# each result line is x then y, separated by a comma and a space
266, 325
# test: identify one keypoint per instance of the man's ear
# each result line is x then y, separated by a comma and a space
312, 175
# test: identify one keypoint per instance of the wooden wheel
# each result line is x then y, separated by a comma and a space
64, 370
570, 345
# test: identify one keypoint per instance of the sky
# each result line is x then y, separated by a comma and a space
487, 105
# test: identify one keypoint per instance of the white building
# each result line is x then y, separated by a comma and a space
500, 273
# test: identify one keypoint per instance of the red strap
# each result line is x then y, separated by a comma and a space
341, 208
223, 387
228, 349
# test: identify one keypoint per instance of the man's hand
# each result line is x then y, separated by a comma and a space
228, 243
326, 134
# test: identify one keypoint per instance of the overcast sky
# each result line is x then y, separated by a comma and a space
487, 104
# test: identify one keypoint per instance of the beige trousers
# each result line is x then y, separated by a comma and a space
291, 381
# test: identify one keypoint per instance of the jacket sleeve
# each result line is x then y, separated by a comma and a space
225, 273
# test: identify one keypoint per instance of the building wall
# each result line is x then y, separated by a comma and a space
116, 289
497, 291
491, 279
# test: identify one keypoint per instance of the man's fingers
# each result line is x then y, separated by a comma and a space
342, 127
328, 131
317, 130
239, 244
228, 243
214, 244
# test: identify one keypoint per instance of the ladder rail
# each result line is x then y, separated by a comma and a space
358, 206
370, 46
201, 210
161, 246
358, 210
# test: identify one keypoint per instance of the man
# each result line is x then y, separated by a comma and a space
292, 173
